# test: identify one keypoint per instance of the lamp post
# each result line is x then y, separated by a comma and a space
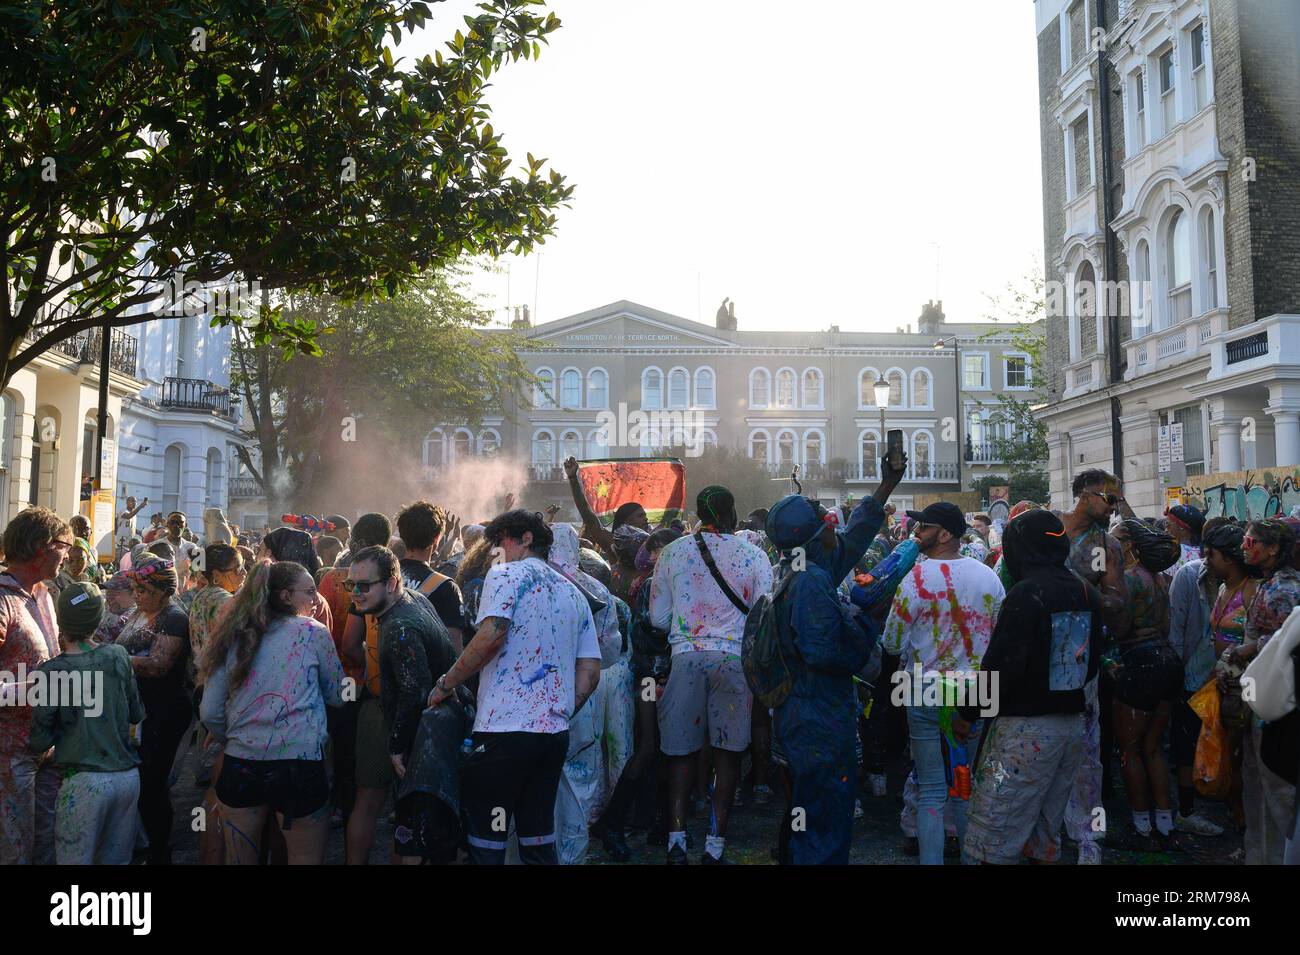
956, 356
881, 390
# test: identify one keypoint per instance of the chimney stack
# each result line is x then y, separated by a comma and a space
931, 318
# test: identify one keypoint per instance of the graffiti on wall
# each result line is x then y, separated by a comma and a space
1248, 499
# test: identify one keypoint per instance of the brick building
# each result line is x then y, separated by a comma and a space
1171, 197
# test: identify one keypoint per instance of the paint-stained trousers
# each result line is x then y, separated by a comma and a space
28, 792
1085, 797
95, 821
1267, 800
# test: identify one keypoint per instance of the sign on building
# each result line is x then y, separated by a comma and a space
1169, 456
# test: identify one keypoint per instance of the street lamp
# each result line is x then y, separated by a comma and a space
881, 389
956, 356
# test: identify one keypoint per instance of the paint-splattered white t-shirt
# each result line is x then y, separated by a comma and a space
944, 612
528, 687
686, 601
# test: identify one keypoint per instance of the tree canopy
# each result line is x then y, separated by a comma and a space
150, 144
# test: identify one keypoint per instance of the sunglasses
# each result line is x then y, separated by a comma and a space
359, 586
1106, 496
61, 545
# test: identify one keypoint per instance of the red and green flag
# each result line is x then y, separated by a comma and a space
657, 484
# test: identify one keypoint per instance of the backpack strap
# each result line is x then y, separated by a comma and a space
717, 574
432, 583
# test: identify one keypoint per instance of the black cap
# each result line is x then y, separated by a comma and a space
945, 515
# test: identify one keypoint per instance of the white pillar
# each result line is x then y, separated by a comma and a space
1286, 425
1229, 445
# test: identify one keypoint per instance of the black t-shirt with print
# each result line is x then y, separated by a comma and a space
446, 598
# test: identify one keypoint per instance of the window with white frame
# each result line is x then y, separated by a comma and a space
1168, 81
785, 388
812, 448
571, 388
1016, 371
570, 445
1193, 438
866, 387
895, 379
597, 388
598, 444
787, 449
758, 446
867, 455
172, 460
1141, 295
1209, 260
760, 383
1081, 149
704, 388
1200, 75
679, 388
543, 450
462, 444
434, 448
1077, 29
1178, 267
652, 389
489, 441
1137, 80
921, 446
921, 388
973, 372
812, 388
544, 393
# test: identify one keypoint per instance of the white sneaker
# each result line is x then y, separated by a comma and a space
1197, 825
877, 783
1089, 853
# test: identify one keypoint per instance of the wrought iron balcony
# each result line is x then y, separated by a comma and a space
242, 488
195, 394
86, 345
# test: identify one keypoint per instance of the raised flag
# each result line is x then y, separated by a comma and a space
657, 484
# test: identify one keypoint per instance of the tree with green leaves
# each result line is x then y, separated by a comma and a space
1022, 446
748, 480
389, 370
153, 145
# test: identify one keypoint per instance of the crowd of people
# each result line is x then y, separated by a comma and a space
516, 687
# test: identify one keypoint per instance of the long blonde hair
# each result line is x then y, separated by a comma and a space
256, 605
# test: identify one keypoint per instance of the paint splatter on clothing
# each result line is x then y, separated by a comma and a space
278, 712
414, 651
204, 610
550, 626
1186, 554
686, 601
944, 613
1148, 604
1276, 598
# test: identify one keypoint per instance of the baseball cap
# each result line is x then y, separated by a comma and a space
945, 515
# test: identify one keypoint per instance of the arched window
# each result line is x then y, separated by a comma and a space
571, 388
867, 455
760, 383
598, 444
489, 442
787, 449
1178, 267
704, 391
434, 448
1141, 295
679, 388
173, 458
597, 388
921, 445
812, 388
212, 479
785, 388
462, 444
812, 449
866, 384
975, 427
544, 391
570, 446
758, 446
652, 389
896, 398
921, 388
543, 450
1209, 261
1085, 312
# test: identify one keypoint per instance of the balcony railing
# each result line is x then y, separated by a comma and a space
1244, 349
243, 488
195, 394
984, 452
86, 345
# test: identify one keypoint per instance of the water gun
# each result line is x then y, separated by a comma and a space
307, 522
956, 764
880, 583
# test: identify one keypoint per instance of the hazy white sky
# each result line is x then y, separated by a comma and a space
802, 158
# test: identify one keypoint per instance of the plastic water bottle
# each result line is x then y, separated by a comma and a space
467, 746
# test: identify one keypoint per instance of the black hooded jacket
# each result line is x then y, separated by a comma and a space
1048, 639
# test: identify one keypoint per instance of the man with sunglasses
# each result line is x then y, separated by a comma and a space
1096, 557
36, 543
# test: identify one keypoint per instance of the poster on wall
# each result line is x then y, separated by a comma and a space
1174, 495
101, 525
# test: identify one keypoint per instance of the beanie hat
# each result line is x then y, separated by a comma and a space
80, 609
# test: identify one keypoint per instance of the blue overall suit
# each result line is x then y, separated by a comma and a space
817, 723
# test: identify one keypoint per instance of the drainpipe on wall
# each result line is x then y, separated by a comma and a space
1109, 262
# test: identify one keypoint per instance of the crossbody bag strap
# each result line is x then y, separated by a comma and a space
717, 575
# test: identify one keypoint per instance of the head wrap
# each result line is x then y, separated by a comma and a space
1021, 507
623, 512
716, 506
80, 609
289, 543
627, 541
593, 565
154, 572
1189, 517
1226, 539
119, 581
